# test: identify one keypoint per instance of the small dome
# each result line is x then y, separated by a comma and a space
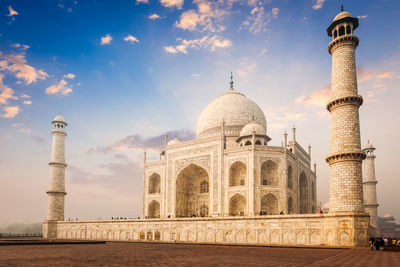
252, 127
368, 145
232, 107
174, 142
59, 118
341, 15
388, 216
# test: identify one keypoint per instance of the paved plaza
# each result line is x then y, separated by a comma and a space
164, 254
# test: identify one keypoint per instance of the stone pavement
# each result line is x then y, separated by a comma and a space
156, 254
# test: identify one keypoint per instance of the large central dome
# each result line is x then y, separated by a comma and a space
232, 107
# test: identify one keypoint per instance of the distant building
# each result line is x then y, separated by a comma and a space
388, 226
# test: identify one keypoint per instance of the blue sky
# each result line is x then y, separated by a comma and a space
117, 69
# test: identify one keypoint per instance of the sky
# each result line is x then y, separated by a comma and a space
124, 73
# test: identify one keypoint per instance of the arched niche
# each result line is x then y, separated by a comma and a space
154, 183
269, 173
154, 209
189, 198
303, 188
269, 204
237, 174
290, 177
237, 205
290, 205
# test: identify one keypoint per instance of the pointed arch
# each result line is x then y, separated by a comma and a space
269, 204
290, 177
237, 174
303, 191
154, 184
189, 195
154, 209
290, 205
269, 173
237, 205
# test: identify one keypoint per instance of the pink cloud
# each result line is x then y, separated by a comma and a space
317, 98
11, 111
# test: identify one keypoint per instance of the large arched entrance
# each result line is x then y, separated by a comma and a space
191, 192
303, 188
154, 209
269, 205
237, 174
290, 205
237, 205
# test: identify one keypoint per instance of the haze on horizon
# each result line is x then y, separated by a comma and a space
124, 73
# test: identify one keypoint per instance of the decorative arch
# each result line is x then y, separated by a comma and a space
269, 204
335, 34
203, 210
312, 191
290, 177
154, 184
237, 174
149, 235
258, 142
248, 143
154, 209
290, 206
157, 235
269, 173
341, 30
142, 236
348, 29
237, 205
189, 198
303, 188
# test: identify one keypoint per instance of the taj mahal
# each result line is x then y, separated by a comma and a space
229, 185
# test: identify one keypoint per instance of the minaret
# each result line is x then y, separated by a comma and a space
56, 192
369, 182
345, 157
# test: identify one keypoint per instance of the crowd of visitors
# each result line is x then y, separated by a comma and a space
384, 243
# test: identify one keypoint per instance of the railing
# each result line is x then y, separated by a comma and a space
7, 235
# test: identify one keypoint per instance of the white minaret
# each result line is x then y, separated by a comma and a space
369, 184
56, 192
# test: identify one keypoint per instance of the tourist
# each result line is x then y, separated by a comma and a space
371, 243
377, 243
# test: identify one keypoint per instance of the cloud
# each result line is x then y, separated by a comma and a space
263, 51
281, 117
132, 39
11, 111
258, 19
27, 102
106, 40
362, 17
318, 4
6, 92
206, 42
12, 12
25, 96
22, 46
137, 142
207, 17
363, 74
317, 98
142, 1
172, 3
69, 76
61, 87
154, 16
275, 12
16, 63
385, 75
